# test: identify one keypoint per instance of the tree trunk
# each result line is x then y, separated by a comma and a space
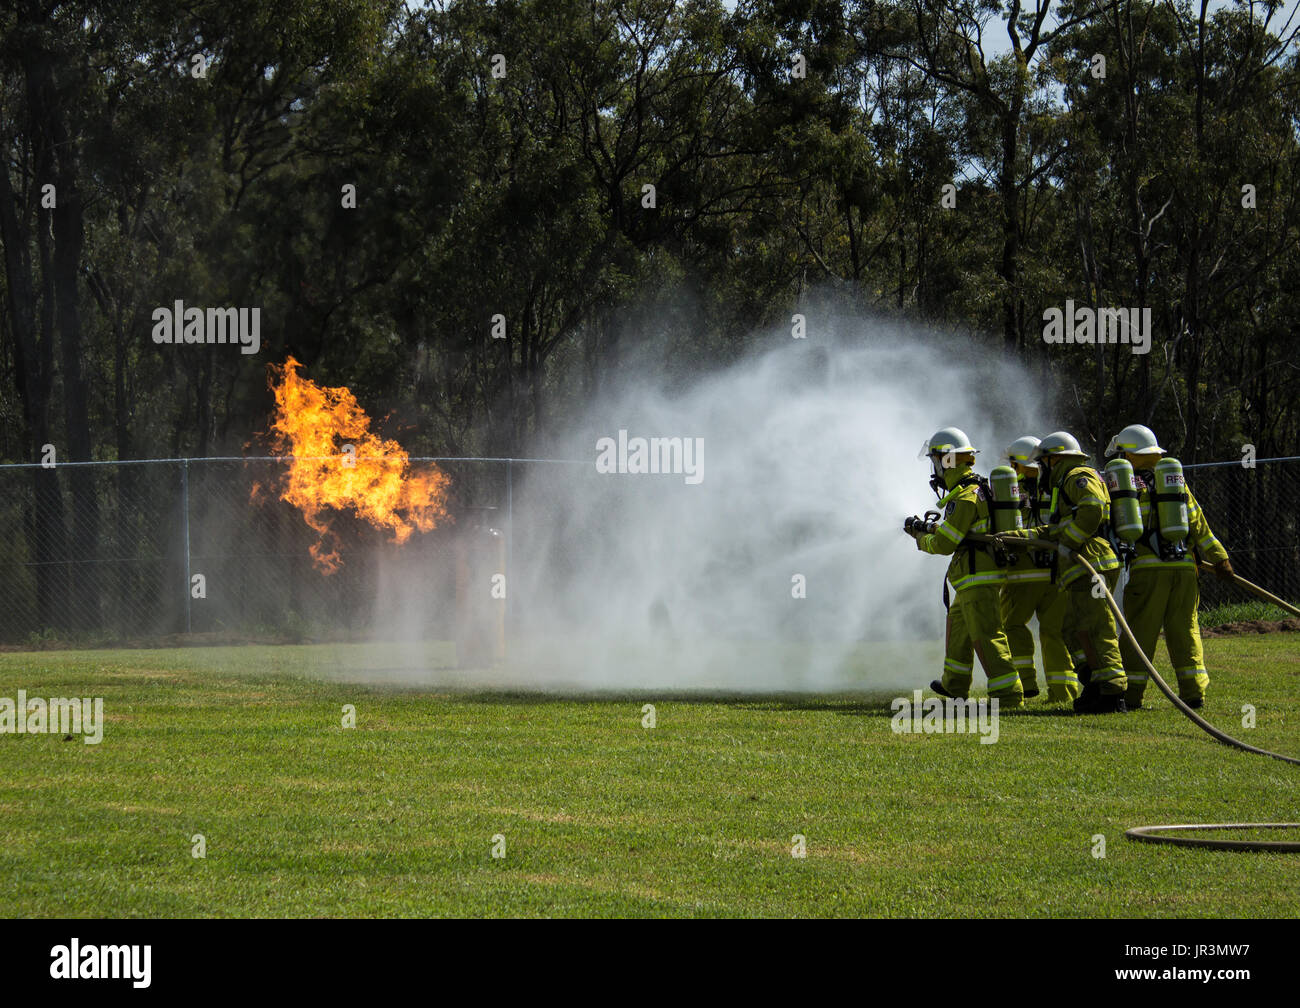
1008, 269
58, 161
34, 368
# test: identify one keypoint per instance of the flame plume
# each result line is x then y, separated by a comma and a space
312, 424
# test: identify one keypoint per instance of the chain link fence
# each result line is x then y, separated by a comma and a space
140, 552
1253, 511
191, 549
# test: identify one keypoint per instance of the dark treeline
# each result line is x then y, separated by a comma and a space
500, 154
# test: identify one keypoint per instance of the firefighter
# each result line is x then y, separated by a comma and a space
1080, 510
974, 624
1162, 591
1029, 591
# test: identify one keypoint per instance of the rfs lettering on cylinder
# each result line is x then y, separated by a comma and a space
1175, 479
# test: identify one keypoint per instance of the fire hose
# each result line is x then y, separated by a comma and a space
1149, 834
1256, 590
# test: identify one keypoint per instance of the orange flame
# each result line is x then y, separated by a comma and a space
313, 424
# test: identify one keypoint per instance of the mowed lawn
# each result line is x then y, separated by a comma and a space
601, 816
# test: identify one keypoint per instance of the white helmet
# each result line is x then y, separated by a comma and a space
945, 440
1058, 444
1022, 450
1136, 439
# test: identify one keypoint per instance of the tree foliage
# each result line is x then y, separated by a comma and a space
503, 154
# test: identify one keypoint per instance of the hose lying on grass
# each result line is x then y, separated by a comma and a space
1148, 833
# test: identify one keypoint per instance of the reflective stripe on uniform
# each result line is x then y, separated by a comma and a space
1003, 681
1151, 560
1106, 563
948, 532
1076, 572
1190, 673
1075, 535
956, 666
1064, 677
974, 580
1038, 574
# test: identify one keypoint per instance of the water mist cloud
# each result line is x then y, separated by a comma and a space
783, 567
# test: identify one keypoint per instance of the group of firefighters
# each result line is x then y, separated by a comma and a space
1137, 513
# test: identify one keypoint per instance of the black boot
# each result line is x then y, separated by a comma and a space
1087, 699
937, 686
1101, 703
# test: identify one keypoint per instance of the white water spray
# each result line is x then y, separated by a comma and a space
784, 567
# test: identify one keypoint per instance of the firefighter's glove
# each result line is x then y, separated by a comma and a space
1223, 570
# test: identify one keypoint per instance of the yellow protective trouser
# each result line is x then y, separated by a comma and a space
1165, 599
975, 628
1043, 599
1091, 633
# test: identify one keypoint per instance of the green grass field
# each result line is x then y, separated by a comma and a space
1234, 612
603, 817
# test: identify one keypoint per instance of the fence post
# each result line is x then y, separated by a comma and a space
185, 525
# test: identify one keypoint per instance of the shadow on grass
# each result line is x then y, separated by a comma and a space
873, 704
445, 685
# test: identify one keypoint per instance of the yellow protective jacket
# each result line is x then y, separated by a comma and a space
1028, 567
1079, 519
1199, 535
966, 509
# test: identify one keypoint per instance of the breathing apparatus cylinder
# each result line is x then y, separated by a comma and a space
1004, 508
1125, 514
1170, 498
